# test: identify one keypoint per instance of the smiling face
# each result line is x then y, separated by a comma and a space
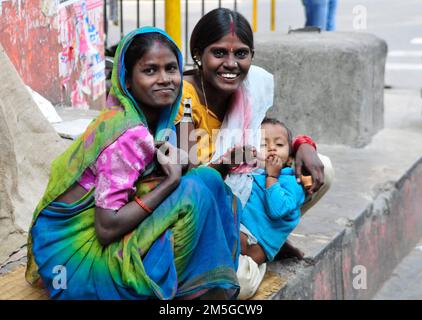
225, 63
155, 79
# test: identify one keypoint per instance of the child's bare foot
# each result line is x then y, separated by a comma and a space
289, 251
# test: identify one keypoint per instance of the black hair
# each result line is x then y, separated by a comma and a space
215, 25
141, 44
274, 121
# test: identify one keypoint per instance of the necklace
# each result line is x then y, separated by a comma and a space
206, 102
203, 92
212, 114
206, 108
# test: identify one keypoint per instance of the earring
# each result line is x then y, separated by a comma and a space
197, 61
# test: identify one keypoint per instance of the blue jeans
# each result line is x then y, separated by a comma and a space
320, 13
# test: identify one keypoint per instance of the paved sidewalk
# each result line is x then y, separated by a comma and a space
362, 175
359, 221
74, 121
406, 279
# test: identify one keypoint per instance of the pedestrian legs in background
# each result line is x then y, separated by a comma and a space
320, 13
331, 17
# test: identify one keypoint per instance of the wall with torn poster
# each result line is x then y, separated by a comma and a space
57, 46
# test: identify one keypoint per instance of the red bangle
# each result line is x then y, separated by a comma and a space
142, 204
299, 140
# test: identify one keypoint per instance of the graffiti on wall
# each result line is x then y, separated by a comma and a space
81, 43
57, 47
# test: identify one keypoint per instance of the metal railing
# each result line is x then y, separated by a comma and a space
176, 23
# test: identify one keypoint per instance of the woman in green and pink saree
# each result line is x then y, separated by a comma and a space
118, 220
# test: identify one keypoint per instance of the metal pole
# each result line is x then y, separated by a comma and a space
121, 19
235, 5
154, 21
219, 3
272, 15
203, 8
105, 24
255, 15
137, 13
173, 23
186, 29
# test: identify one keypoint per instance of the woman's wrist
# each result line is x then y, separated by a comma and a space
151, 200
172, 181
143, 205
300, 140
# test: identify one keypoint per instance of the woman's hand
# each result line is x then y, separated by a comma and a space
308, 162
234, 157
167, 157
181, 155
238, 155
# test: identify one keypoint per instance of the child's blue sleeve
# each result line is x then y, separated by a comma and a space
283, 199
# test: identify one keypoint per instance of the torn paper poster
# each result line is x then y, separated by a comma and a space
65, 3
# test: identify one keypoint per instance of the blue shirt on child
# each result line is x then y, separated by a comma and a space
272, 214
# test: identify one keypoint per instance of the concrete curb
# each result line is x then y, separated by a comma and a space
367, 250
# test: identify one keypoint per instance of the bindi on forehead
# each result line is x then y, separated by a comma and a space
231, 30
230, 42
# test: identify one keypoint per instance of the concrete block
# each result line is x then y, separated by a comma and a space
327, 85
357, 262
